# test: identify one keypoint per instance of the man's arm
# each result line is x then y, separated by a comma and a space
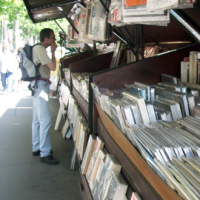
52, 65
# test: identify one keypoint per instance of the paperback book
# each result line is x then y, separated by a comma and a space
88, 154
97, 147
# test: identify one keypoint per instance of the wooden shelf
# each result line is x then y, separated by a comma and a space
140, 175
81, 102
86, 187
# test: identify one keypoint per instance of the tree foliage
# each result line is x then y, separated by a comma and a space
11, 9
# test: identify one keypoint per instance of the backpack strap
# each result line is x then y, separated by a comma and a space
36, 67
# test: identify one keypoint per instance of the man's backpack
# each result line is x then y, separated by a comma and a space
29, 70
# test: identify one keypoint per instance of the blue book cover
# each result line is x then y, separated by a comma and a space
69, 133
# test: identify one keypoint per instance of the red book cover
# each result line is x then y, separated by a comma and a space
135, 2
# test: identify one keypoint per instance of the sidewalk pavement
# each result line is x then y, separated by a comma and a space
22, 176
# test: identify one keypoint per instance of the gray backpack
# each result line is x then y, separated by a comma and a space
29, 70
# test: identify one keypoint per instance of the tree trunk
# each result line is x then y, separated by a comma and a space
5, 33
31, 40
35, 39
1, 37
27, 38
16, 34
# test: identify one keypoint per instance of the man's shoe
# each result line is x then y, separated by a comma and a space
49, 160
37, 153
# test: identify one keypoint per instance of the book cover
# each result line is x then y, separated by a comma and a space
83, 139
116, 187
88, 16
88, 153
97, 147
65, 129
135, 196
193, 67
95, 184
82, 25
115, 54
141, 105
100, 157
66, 96
185, 71
135, 2
111, 164
69, 133
198, 72
79, 133
70, 32
92, 24
196, 110
77, 128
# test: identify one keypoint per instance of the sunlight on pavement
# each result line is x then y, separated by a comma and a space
10, 101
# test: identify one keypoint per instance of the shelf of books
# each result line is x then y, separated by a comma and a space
120, 101
69, 129
67, 60
138, 173
145, 140
80, 72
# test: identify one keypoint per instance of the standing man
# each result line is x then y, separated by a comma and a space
8, 64
41, 116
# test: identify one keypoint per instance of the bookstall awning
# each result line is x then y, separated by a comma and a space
40, 11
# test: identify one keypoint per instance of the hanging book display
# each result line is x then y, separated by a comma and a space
168, 4
140, 15
99, 29
88, 16
115, 13
149, 12
72, 34
82, 25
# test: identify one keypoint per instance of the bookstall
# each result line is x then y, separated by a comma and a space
140, 176
90, 65
113, 161
65, 62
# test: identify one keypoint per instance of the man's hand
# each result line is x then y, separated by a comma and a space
53, 47
52, 65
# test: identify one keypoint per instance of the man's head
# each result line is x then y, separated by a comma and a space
47, 37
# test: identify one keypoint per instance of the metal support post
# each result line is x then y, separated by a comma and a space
132, 40
129, 44
142, 41
94, 48
103, 4
60, 27
115, 33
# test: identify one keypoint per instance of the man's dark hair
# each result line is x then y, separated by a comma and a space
46, 32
